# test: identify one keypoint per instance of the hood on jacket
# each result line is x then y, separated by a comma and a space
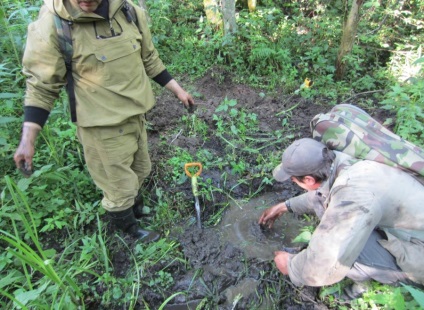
68, 11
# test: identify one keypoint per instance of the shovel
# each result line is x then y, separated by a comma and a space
194, 187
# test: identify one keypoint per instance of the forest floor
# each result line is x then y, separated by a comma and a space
218, 266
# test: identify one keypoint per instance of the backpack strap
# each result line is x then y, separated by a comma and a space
63, 28
129, 13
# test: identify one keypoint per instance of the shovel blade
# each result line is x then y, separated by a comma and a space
197, 207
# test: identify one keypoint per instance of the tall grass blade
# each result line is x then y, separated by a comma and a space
417, 294
37, 259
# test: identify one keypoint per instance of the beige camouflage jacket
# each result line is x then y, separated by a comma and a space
365, 195
111, 74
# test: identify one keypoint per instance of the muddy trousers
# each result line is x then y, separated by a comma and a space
376, 263
117, 159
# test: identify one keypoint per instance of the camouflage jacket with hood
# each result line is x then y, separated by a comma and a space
360, 196
111, 73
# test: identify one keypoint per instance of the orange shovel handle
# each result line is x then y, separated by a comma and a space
188, 165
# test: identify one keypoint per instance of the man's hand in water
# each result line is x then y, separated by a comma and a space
269, 216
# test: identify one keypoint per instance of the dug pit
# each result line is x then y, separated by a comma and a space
232, 256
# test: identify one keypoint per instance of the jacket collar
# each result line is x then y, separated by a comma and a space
69, 11
341, 162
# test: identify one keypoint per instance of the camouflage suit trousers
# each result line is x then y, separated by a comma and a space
117, 159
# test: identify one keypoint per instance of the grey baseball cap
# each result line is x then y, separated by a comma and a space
302, 157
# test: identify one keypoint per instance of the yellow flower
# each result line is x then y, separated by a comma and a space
307, 83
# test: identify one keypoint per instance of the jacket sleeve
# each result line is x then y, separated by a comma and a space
307, 203
300, 205
351, 216
43, 64
150, 56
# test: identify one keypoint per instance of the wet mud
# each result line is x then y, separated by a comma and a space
220, 255
240, 227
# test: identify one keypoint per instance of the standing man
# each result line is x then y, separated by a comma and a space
113, 59
371, 219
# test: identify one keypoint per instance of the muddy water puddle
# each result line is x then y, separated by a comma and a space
240, 227
219, 255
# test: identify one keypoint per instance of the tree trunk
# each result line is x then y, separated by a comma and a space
251, 5
229, 16
212, 11
348, 37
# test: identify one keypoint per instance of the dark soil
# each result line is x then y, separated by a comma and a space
217, 269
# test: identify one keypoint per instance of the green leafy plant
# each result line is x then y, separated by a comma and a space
232, 120
195, 126
176, 166
417, 294
38, 259
408, 102
390, 297
163, 279
305, 234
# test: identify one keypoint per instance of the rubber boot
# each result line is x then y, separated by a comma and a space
356, 290
125, 221
138, 206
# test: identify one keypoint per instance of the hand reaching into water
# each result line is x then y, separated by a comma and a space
269, 216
